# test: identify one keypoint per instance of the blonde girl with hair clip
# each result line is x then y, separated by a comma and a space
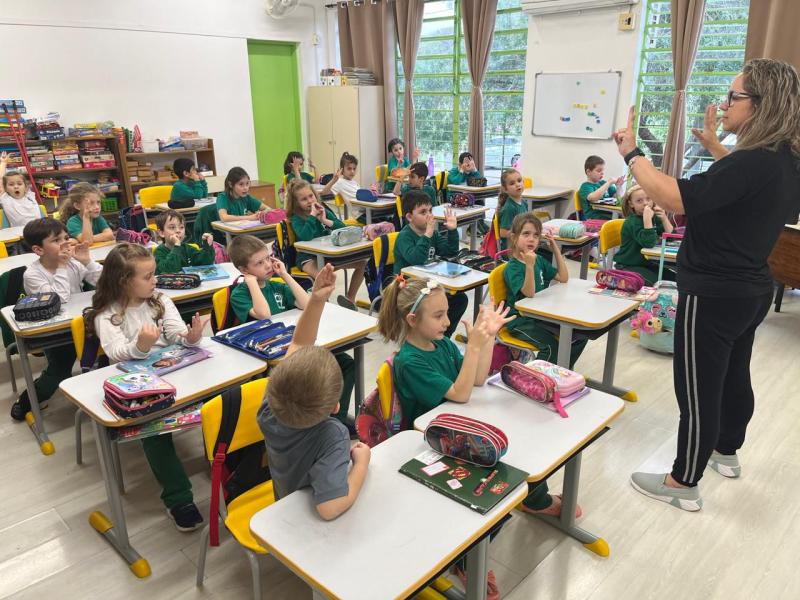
311, 219
509, 203
80, 213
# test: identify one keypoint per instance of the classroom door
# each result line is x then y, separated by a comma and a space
275, 89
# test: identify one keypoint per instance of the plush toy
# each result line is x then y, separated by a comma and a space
652, 325
639, 320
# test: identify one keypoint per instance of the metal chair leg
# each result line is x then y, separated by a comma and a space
201, 561
9, 350
255, 569
78, 437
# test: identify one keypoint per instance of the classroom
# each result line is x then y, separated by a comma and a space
377, 299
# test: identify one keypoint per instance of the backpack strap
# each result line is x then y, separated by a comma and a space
231, 403
91, 347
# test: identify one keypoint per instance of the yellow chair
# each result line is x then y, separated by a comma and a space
341, 205
3, 250
294, 271
236, 516
527, 182
610, 240
157, 194
576, 199
377, 251
441, 179
498, 292
381, 173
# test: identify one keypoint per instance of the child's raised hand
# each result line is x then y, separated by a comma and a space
648, 212
194, 332
415, 155
317, 210
337, 175
430, 226
529, 258
450, 220
80, 252
65, 253
659, 212
619, 180
207, 239
479, 334
360, 452
551, 240
496, 317
148, 335
3, 156
278, 266
324, 284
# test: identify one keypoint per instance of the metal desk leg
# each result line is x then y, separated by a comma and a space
358, 388
34, 417
228, 238
564, 345
114, 530
473, 236
321, 264
477, 301
477, 565
607, 385
585, 261
569, 500
369, 215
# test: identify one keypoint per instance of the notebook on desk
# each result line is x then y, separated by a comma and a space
479, 488
444, 269
165, 360
207, 272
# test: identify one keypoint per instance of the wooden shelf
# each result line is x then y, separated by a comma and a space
134, 155
68, 172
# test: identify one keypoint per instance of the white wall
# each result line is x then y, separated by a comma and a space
166, 66
576, 42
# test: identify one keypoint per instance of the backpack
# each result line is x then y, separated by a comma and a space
371, 426
286, 254
374, 274
655, 319
133, 218
236, 472
11, 289
489, 245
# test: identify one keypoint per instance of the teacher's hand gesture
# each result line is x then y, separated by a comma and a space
626, 138
708, 135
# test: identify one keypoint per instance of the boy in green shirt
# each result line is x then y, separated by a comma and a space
173, 254
596, 188
259, 297
420, 242
466, 168
417, 174
190, 186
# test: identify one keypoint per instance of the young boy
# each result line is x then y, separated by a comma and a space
419, 242
596, 188
418, 173
190, 186
305, 446
173, 254
62, 268
466, 168
260, 298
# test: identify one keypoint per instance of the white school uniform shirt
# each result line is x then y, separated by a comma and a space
65, 281
20, 212
118, 337
348, 188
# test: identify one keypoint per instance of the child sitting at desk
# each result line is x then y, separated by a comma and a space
645, 221
173, 254
343, 183
190, 186
596, 188
509, 203
311, 219
130, 318
397, 155
16, 197
80, 213
235, 203
420, 242
466, 168
306, 447
63, 268
293, 167
417, 174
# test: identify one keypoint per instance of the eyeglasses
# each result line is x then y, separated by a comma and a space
732, 96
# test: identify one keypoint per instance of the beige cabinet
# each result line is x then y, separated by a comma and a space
346, 119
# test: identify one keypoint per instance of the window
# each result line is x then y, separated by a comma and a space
442, 85
720, 57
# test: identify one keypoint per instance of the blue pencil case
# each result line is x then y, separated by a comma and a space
264, 339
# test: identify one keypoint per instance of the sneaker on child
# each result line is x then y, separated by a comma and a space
185, 516
23, 405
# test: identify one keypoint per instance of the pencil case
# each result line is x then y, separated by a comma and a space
476, 181
346, 235
177, 281
466, 439
264, 339
132, 395
567, 382
376, 230
462, 200
533, 384
37, 307
617, 279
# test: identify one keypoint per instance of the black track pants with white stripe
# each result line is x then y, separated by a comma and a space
713, 344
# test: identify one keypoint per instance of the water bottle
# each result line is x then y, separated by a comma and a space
431, 171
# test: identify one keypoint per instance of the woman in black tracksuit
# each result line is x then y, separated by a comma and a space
736, 211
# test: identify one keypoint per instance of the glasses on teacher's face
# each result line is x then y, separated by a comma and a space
734, 96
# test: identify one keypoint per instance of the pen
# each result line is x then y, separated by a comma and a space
482, 485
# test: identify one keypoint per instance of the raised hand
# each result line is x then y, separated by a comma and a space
65, 253
551, 240
496, 318
708, 135
415, 155
3, 156
450, 220
207, 239
148, 335
659, 212
80, 252
430, 226
480, 333
324, 284
626, 137
194, 332
619, 181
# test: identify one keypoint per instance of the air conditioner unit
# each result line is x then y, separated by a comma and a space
549, 7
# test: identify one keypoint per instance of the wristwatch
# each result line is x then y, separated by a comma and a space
635, 152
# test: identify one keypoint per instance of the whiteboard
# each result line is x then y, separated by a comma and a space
576, 105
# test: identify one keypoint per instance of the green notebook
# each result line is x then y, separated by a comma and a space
464, 482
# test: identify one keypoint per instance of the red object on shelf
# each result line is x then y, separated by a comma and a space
18, 132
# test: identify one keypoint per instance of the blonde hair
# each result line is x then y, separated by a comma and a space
242, 247
776, 106
305, 387
503, 195
396, 303
77, 194
294, 187
518, 224
627, 209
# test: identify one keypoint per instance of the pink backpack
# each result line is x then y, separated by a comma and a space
276, 215
617, 279
220, 254
372, 428
376, 230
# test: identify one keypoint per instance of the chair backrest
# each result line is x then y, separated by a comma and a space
219, 306
398, 202
3, 221
157, 194
11, 290
441, 180
576, 200
338, 200
247, 430
610, 240
497, 285
78, 328
527, 182
385, 389
289, 233
496, 227
43, 210
3, 250
381, 173
378, 249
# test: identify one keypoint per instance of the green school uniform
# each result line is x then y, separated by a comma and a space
189, 190
238, 207
172, 260
75, 225
411, 249
425, 188
456, 177
303, 175
635, 237
506, 216
422, 377
308, 228
587, 187
393, 164
278, 295
530, 329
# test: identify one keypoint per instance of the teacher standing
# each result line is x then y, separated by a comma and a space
736, 211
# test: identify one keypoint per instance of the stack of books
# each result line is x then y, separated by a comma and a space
40, 156
47, 127
91, 129
358, 76
171, 144
95, 155
66, 155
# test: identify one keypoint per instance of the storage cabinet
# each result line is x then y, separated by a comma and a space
346, 119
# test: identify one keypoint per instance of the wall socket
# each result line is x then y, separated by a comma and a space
626, 21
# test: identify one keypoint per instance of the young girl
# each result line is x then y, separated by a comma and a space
236, 203
130, 318
343, 183
397, 155
509, 203
644, 222
293, 167
17, 199
80, 212
311, 219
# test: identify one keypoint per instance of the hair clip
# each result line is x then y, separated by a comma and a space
401, 281
430, 285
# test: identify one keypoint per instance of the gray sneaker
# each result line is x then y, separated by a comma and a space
652, 485
725, 464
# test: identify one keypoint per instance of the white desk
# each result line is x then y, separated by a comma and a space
198, 204
406, 532
381, 205
670, 256
98, 252
226, 368
11, 237
540, 441
199, 298
468, 217
614, 209
322, 248
473, 280
583, 243
232, 228
571, 306
560, 198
